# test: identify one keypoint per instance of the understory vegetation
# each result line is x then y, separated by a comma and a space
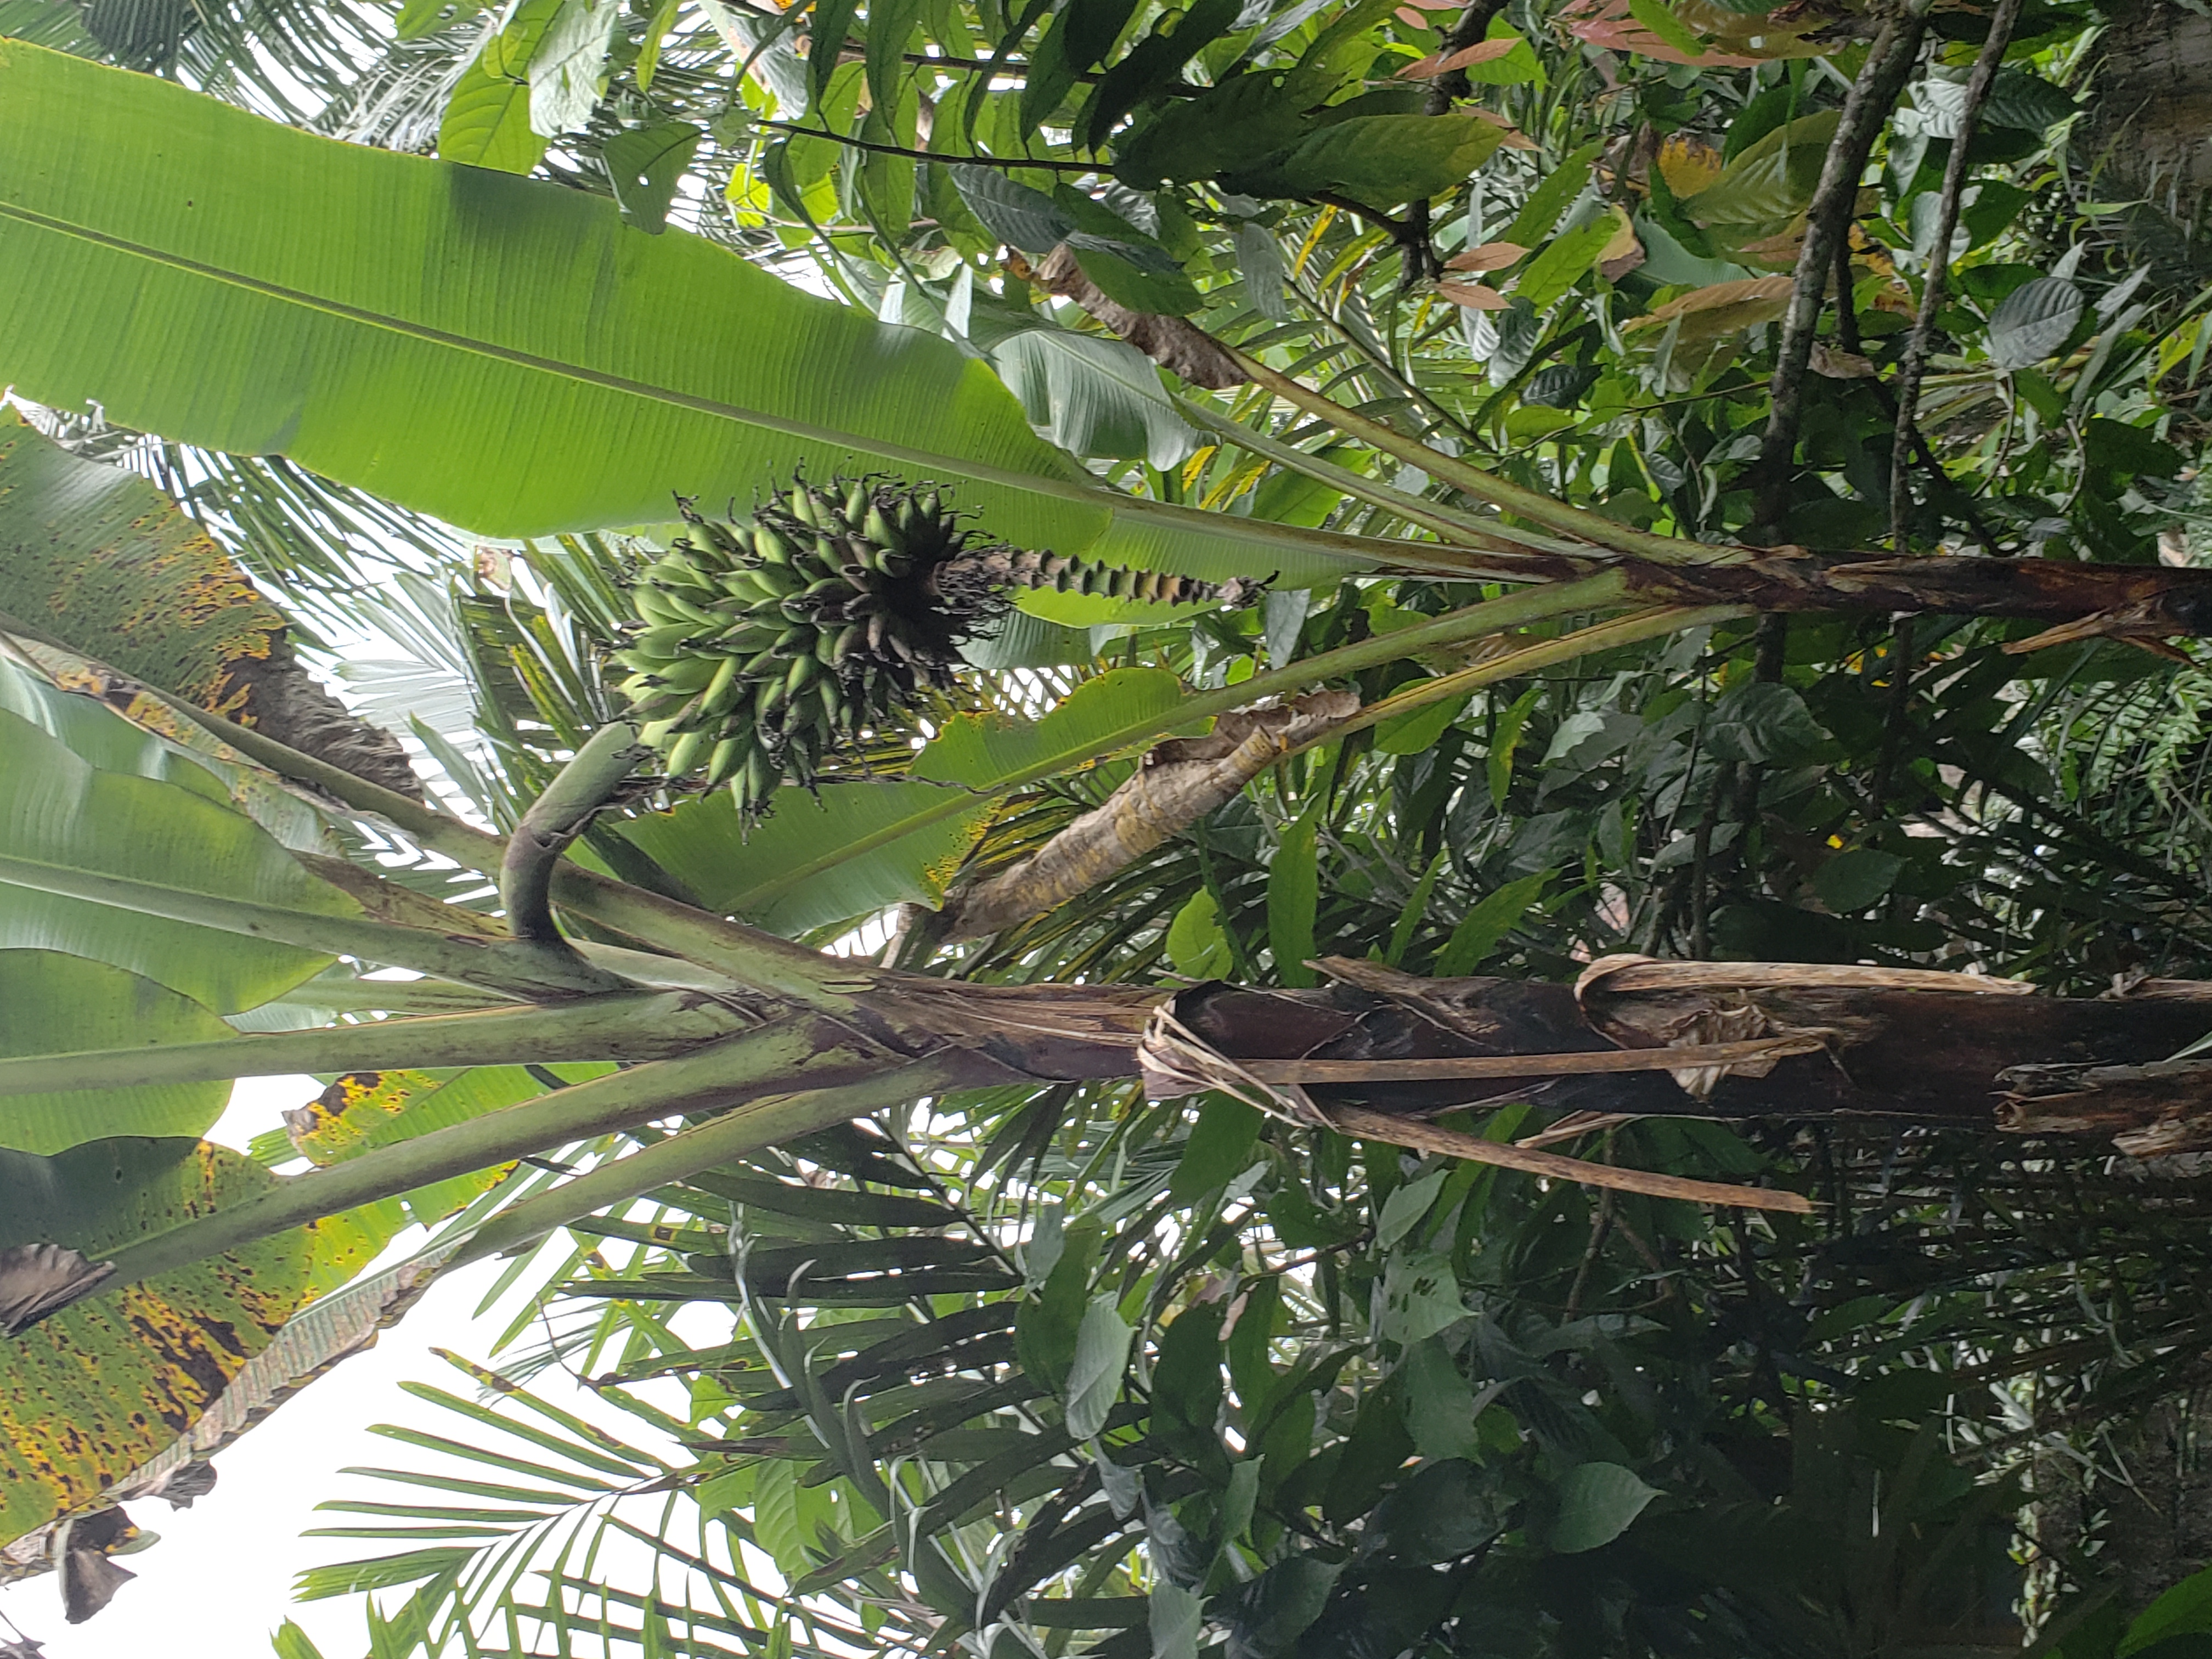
1639, 478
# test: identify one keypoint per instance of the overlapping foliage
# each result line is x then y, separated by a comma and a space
1055, 1370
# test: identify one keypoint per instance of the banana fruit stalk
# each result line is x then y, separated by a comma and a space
761, 648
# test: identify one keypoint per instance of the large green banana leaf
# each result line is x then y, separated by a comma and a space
151, 740
52, 1003
505, 355
94, 1392
57, 809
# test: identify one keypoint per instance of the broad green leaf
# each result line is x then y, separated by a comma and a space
1271, 1612
567, 71
783, 880
1478, 931
290, 1642
1418, 729
48, 1000
1444, 1513
644, 164
776, 1516
95, 1391
732, 868
1851, 881
1597, 1502
1237, 123
99, 559
486, 116
59, 810
1094, 1379
1655, 15
505, 355
1563, 261
1420, 1297
2027, 102
97, 734
1540, 214
1771, 180
1439, 1401
1017, 214
1125, 276
1293, 898
1196, 943
1186, 1383
1406, 1206
1048, 1327
1760, 722
1219, 1151
2034, 321
1509, 69
1095, 396
2185, 1610
1388, 159
1174, 1618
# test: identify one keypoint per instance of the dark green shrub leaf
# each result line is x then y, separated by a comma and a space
2034, 321
1597, 1502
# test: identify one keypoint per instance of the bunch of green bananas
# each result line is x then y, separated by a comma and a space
760, 648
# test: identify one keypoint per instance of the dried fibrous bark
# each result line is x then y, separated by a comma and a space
1179, 783
1173, 342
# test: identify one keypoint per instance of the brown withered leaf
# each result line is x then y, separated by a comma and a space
1840, 365
1491, 256
1442, 63
81, 1548
1473, 297
38, 1280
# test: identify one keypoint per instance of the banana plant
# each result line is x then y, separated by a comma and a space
520, 361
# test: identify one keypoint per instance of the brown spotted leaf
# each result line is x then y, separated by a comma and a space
94, 1391
100, 559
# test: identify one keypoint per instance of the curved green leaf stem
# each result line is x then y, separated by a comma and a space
1546, 654
754, 958
559, 815
1510, 548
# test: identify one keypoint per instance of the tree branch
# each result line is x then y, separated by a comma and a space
1889, 61
1175, 343
1472, 28
1202, 774
1914, 364
1004, 162
1847, 336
